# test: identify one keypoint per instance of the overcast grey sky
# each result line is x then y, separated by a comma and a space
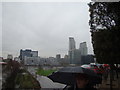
0, 29
44, 26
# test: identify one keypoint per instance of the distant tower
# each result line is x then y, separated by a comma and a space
71, 50
71, 44
83, 48
58, 56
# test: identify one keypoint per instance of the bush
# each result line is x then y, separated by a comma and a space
26, 80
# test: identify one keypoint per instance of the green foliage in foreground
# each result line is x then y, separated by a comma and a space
25, 80
44, 72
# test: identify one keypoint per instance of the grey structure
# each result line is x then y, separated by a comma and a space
31, 60
71, 44
51, 61
58, 56
10, 56
79, 56
74, 54
71, 49
62, 61
83, 48
87, 59
27, 53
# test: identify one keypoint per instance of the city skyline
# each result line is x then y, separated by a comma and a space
44, 27
70, 49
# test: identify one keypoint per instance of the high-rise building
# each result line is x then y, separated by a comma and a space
77, 56
74, 54
83, 48
27, 53
58, 56
71, 49
87, 59
71, 44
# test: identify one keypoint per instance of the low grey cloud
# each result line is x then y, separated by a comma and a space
0, 29
44, 26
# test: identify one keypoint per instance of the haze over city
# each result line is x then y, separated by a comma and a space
46, 44
44, 26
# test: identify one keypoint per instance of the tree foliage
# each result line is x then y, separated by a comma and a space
105, 31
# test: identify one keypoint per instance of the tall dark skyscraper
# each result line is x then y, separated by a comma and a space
71, 44
71, 49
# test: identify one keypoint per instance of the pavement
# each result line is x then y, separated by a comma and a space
47, 83
106, 83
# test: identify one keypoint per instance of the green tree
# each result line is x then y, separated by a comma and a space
105, 31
